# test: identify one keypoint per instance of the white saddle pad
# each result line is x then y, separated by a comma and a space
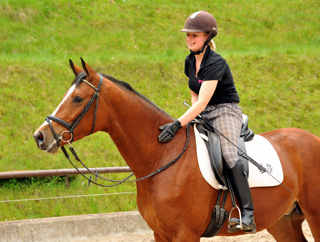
259, 149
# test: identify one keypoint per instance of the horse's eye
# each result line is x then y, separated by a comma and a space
78, 99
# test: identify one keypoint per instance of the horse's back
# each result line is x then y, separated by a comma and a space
295, 145
293, 138
283, 132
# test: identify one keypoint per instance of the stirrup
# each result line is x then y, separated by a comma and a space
235, 227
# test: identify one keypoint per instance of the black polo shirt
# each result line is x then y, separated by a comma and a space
213, 67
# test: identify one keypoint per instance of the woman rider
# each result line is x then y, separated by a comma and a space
214, 96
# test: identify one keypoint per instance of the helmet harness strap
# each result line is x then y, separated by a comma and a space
204, 45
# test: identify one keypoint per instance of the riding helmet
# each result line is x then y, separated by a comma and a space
201, 21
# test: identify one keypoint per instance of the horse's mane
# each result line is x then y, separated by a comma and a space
128, 87
124, 85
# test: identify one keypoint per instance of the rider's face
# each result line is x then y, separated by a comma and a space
195, 41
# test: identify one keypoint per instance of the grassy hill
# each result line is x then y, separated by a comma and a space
271, 46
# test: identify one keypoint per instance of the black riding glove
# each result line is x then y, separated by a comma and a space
168, 131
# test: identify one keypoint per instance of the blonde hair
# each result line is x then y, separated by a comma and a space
212, 45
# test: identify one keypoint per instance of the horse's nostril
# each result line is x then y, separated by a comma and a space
40, 136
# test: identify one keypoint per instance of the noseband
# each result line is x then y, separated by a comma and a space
73, 125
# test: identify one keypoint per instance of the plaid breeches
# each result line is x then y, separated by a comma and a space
227, 119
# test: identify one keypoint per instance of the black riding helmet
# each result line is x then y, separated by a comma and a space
201, 21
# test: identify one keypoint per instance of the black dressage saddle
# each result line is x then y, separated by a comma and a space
212, 141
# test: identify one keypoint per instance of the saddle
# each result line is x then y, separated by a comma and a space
212, 141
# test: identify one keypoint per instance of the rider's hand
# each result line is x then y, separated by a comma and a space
168, 131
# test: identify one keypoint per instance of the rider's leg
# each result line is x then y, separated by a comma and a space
241, 189
228, 121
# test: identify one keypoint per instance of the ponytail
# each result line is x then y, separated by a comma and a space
212, 45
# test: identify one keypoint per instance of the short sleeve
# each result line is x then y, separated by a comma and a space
215, 71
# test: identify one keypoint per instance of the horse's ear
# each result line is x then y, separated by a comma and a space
90, 72
76, 70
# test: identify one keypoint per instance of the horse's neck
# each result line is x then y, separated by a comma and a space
133, 126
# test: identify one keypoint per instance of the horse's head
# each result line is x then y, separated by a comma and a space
75, 117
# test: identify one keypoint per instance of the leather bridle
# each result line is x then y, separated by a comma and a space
72, 126
76, 121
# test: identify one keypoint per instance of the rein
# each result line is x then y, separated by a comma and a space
126, 179
72, 126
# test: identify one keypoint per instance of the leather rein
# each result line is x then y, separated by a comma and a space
72, 126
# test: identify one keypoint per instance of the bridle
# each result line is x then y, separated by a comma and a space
117, 182
76, 121
73, 125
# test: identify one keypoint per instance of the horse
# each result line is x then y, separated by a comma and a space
177, 203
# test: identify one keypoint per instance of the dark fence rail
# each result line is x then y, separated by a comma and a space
61, 172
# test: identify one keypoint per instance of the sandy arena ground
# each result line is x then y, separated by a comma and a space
262, 236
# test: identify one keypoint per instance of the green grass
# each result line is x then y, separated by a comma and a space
50, 197
271, 46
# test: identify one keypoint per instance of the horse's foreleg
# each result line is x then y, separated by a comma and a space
180, 237
186, 238
158, 238
288, 228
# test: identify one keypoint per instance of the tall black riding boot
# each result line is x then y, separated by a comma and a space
241, 189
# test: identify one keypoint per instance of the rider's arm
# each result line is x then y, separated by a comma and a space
199, 102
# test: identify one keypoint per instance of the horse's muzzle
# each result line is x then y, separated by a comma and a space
45, 142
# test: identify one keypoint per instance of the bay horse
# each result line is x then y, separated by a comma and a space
177, 203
